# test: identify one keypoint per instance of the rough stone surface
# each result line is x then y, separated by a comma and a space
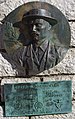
65, 70
72, 27
70, 9
7, 6
66, 6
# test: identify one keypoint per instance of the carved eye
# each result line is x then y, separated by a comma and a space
49, 27
38, 25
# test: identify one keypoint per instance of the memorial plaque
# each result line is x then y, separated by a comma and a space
37, 36
40, 98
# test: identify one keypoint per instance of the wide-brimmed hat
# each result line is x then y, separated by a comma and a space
37, 14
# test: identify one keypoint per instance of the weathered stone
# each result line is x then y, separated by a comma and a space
7, 6
70, 9
72, 27
19, 80
66, 6
1, 1
5, 67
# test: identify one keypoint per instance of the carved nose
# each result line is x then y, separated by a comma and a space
34, 28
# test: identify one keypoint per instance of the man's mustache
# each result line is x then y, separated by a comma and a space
35, 33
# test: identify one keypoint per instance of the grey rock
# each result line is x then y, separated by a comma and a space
72, 27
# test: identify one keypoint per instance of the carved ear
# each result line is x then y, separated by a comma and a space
50, 26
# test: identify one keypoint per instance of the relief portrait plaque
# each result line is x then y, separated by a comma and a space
39, 98
36, 36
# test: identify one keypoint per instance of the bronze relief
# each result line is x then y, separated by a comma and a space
37, 38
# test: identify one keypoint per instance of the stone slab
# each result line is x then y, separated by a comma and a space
72, 27
28, 99
70, 9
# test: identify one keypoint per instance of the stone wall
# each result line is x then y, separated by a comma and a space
65, 70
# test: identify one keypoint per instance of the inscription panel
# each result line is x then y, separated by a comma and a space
27, 99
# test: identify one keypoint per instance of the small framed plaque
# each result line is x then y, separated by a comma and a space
39, 98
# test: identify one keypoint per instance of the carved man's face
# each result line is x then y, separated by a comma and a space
38, 29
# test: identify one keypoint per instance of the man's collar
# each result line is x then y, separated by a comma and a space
43, 44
